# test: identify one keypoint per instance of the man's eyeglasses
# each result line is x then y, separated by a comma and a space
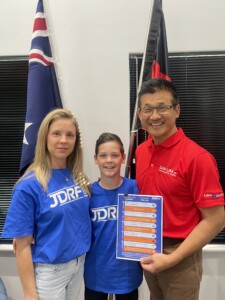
161, 109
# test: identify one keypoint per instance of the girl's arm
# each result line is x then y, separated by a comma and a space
25, 266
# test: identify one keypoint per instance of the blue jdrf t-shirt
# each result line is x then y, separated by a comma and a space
58, 218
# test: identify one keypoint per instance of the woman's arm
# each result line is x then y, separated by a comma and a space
25, 266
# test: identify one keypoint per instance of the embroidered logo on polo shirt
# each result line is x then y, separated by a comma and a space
168, 171
213, 195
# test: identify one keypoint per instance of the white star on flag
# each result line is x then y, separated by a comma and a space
27, 125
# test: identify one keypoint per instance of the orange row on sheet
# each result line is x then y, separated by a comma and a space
139, 229
139, 239
140, 209
140, 250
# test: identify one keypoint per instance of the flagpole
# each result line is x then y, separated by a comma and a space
53, 43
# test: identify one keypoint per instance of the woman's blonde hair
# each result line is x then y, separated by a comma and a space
42, 162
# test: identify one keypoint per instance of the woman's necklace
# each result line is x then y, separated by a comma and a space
62, 171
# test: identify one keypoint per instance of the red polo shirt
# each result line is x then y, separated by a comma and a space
185, 175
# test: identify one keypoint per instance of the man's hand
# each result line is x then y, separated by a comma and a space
157, 262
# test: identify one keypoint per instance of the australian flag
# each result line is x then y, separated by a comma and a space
42, 90
156, 56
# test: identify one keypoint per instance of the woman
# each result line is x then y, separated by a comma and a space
50, 204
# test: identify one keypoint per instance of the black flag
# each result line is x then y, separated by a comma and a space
154, 65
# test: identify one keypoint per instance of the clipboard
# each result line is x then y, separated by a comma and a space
139, 226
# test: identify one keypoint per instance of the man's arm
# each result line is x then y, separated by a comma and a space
25, 266
212, 223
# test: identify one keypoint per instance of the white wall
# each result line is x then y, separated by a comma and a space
92, 41
93, 47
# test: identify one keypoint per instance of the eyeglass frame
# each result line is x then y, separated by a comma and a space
167, 107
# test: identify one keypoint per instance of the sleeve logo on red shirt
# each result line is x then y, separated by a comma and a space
213, 195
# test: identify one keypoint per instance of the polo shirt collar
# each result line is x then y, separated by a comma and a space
171, 141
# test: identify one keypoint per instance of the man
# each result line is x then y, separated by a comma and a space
186, 175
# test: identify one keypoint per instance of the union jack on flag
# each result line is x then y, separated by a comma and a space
42, 88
